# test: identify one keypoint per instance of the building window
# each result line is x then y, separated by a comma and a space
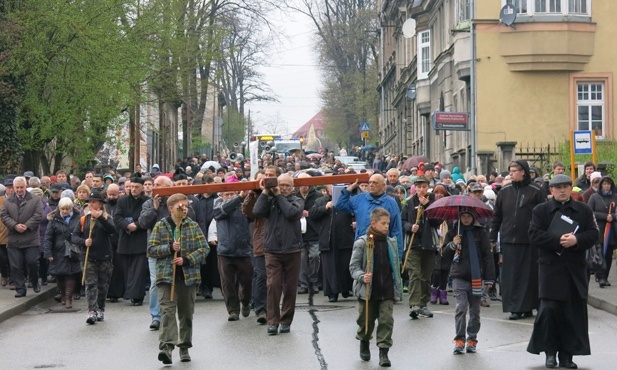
424, 54
590, 107
464, 11
551, 7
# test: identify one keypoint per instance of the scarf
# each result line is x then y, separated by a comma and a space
376, 234
476, 277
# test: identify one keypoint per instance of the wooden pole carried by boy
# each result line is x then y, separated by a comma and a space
83, 276
370, 245
177, 216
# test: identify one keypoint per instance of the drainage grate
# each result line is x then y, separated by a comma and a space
306, 307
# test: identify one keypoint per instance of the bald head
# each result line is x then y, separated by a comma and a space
285, 184
377, 185
163, 182
113, 192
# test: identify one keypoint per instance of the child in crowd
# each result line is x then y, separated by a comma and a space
467, 246
381, 285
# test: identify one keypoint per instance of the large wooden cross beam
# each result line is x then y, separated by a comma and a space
254, 185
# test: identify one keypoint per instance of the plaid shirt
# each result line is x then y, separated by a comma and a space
193, 247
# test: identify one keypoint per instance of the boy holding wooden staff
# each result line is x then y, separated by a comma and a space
375, 270
177, 241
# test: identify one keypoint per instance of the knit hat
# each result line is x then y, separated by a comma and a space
444, 173
595, 175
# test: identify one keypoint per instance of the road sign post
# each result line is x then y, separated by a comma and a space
581, 142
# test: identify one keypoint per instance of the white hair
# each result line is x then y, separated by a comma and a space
65, 203
20, 179
34, 182
68, 193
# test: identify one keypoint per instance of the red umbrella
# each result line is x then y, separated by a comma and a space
414, 161
449, 208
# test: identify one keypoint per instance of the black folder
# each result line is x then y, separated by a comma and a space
562, 224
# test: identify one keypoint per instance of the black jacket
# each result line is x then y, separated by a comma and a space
462, 269
562, 270
312, 229
204, 211
57, 232
600, 205
232, 228
422, 238
283, 233
513, 208
101, 237
129, 210
335, 226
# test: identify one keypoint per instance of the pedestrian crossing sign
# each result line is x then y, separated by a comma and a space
365, 127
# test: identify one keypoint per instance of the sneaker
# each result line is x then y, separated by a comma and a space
184, 355
91, 317
471, 345
414, 312
100, 315
262, 319
165, 357
405, 289
423, 311
459, 347
246, 310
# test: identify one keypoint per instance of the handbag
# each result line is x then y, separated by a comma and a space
71, 251
595, 258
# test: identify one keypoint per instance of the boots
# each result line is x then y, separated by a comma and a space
68, 293
434, 295
60, 296
384, 361
365, 351
443, 297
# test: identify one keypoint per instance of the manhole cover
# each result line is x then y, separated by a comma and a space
306, 307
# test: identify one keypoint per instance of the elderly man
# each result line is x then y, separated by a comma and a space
22, 213
309, 270
392, 175
561, 325
283, 242
362, 205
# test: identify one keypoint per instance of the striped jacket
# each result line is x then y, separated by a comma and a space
193, 248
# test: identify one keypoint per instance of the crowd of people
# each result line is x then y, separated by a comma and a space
107, 237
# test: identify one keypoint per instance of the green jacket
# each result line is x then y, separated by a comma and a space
193, 249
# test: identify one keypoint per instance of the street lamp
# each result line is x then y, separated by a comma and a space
301, 142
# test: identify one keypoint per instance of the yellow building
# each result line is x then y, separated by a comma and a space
550, 72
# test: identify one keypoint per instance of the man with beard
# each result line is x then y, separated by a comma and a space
116, 282
561, 325
519, 278
309, 269
152, 211
132, 242
283, 242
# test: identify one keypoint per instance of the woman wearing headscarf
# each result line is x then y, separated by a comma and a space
604, 206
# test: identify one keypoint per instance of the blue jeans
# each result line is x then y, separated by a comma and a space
155, 310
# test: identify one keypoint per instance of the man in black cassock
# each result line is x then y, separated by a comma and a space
519, 277
561, 324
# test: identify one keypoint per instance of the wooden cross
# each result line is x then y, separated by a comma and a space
254, 185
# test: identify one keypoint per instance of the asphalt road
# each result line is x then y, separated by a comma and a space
322, 337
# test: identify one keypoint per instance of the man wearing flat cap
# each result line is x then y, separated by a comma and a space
560, 329
132, 242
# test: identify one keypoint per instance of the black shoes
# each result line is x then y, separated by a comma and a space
262, 319
384, 361
303, 291
165, 357
137, 302
273, 329
36, 288
155, 325
285, 328
365, 351
113, 300
528, 314
20, 294
603, 283
333, 298
551, 361
565, 360
515, 316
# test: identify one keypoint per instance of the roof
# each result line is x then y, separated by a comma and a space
318, 123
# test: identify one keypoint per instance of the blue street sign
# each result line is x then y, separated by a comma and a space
364, 127
582, 142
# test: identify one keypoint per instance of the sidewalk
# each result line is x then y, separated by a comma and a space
11, 306
603, 298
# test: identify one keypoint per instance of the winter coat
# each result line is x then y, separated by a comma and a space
456, 175
363, 204
257, 227
101, 237
204, 211
513, 208
193, 249
335, 226
232, 228
582, 182
128, 211
149, 215
600, 205
462, 269
357, 268
28, 212
283, 233
44, 222
428, 226
312, 229
3, 230
58, 231
562, 271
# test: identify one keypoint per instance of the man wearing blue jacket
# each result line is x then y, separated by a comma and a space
364, 203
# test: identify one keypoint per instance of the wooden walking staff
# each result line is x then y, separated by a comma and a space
418, 215
370, 245
92, 223
177, 216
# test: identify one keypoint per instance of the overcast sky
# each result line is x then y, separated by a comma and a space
293, 76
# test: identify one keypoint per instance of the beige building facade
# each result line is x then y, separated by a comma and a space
549, 73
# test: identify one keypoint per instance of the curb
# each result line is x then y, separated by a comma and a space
30, 301
601, 304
